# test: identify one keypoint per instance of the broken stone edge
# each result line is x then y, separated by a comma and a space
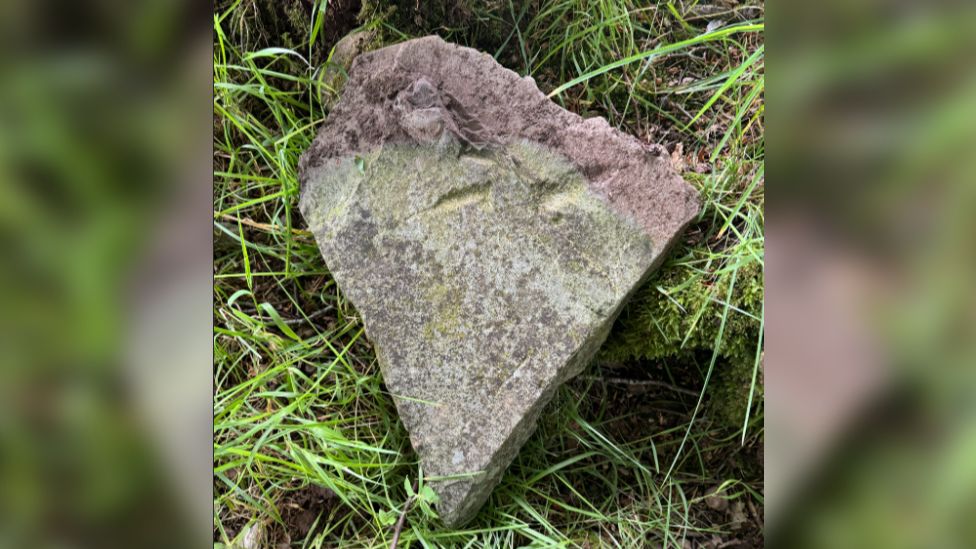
511, 109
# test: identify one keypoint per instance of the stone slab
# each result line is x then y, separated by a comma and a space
487, 237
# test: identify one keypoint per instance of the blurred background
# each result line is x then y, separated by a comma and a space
871, 389
105, 279
105, 338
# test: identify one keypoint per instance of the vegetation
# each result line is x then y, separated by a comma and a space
658, 443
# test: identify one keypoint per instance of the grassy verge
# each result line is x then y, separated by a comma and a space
308, 449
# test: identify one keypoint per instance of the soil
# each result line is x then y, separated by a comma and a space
630, 403
302, 508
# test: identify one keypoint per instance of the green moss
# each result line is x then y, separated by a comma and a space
676, 317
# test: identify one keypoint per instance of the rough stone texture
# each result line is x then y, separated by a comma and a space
343, 54
487, 237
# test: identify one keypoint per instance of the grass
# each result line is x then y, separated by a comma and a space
308, 450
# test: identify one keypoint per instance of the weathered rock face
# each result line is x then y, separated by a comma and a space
487, 237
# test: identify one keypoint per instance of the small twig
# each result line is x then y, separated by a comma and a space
316, 314
290, 321
403, 518
265, 226
649, 382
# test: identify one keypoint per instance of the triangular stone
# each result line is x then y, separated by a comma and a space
487, 237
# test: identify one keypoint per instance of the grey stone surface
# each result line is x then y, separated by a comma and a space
487, 237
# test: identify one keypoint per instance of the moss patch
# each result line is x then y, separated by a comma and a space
677, 316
